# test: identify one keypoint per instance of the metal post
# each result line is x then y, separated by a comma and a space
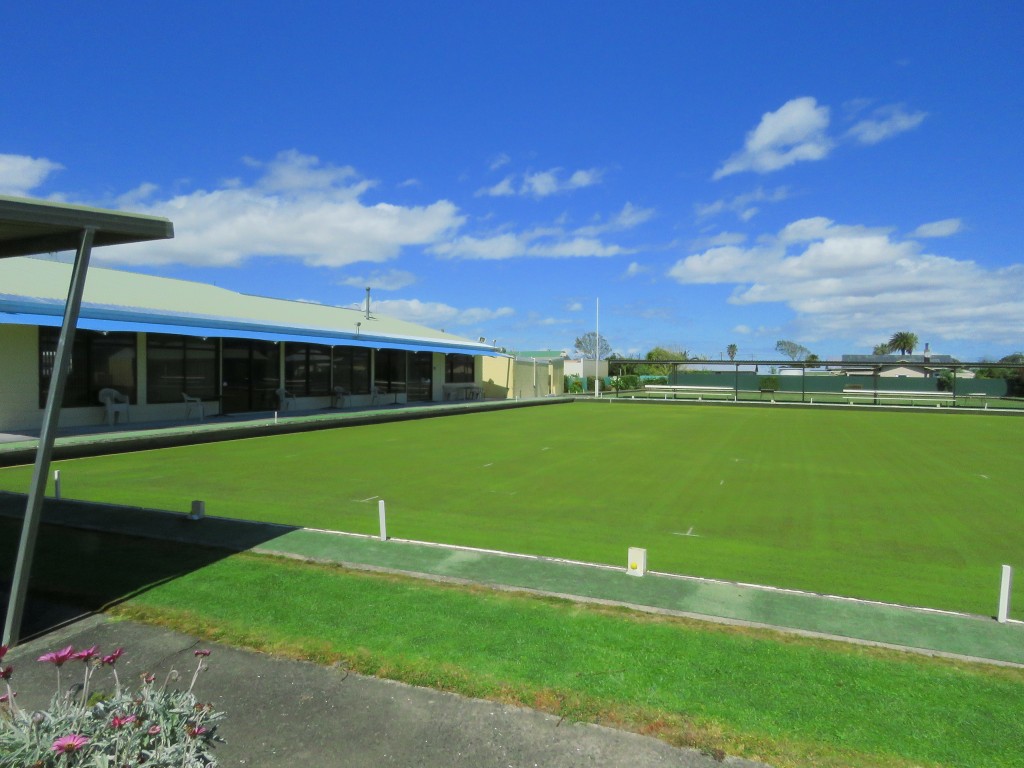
40, 472
597, 351
1004, 595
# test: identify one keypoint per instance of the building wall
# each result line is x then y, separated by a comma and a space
19, 381
19, 388
505, 377
585, 368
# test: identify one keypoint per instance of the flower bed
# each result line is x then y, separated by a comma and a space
156, 726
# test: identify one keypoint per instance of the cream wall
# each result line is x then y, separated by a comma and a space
19, 378
505, 377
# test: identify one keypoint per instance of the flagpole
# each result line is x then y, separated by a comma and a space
597, 351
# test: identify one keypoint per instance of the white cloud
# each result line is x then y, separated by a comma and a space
742, 205
574, 306
743, 329
20, 174
392, 280
629, 217
297, 208
547, 183
503, 188
794, 132
856, 281
636, 268
499, 161
943, 228
887, 121
542, 242
436, 314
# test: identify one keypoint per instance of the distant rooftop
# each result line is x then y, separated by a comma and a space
898, 359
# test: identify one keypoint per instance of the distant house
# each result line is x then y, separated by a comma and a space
923, 366
585, 367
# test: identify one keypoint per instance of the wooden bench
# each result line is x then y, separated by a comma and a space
895, 396
727, 393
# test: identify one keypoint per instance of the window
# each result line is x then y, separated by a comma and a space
180, 364
389, 370
307, 369
98, 360
421, 375
459, 369
352, 369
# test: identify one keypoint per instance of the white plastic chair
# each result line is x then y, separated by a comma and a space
193, 404
340, 393
378, 393
285, 398
114, 404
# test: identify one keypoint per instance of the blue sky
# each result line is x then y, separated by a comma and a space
715, 173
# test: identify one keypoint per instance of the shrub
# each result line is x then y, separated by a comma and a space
155, 726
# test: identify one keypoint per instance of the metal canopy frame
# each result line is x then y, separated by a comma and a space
31, 227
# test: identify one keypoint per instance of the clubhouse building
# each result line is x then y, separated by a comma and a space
171, 349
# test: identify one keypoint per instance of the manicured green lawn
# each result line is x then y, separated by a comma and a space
787, 700
917, 508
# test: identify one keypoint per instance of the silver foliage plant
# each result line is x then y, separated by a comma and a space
157, 726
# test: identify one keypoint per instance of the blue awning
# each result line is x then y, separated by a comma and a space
186, 326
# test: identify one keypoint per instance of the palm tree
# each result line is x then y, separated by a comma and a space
731, 351
903, 342
881, 349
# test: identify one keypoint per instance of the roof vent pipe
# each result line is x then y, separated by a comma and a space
927, 352
367, 302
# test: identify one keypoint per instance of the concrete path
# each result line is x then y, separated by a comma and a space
282, 713
933, 632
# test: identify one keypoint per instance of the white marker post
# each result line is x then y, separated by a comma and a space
383, 520
198, 510
637, 561
56, 483
1004, 595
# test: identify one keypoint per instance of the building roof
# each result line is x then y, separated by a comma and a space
541, 354
900, 359
38, 226
32, 292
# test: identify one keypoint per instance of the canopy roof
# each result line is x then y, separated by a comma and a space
115, 300
30, 227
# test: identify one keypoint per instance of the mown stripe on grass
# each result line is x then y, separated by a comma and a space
788, 700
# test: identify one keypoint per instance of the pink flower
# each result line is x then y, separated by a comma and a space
57, 658
70, 743
196, 730
153, 730
6, 672
119, 721
3, 651
147, 677
202, 653
113, 657
86, 653
7, 697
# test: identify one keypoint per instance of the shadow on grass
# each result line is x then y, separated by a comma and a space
89, 556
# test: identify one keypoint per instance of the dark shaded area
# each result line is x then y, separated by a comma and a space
108, 442
92, 555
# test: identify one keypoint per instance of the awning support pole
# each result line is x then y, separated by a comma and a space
54, 398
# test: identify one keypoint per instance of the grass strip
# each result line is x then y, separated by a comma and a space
786, 700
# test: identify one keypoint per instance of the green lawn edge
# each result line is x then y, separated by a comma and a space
753, 693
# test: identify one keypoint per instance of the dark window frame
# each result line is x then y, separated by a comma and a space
194, 356
88, 374
456, 370
308, 369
